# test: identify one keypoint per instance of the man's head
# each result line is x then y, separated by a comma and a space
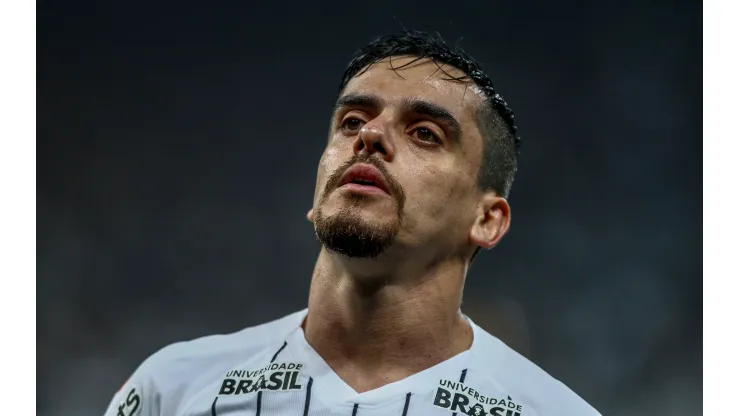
421, 154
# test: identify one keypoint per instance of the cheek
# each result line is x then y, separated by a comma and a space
329, 162
441, 195
330, 159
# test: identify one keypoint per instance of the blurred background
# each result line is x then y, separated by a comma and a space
178, 145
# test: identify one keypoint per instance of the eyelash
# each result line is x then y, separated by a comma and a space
435, 138
343, 125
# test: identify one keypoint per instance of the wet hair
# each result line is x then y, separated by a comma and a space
495, 120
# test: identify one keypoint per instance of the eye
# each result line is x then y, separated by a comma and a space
351, 125
426, 135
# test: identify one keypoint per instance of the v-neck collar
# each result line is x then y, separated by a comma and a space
332, 389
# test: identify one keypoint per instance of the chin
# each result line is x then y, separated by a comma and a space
355, 234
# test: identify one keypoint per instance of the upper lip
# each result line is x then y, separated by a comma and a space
365, 172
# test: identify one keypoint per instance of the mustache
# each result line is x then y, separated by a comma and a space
334, 180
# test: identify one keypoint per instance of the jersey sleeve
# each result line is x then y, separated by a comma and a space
139, 396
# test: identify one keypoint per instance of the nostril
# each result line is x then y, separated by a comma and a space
379, 147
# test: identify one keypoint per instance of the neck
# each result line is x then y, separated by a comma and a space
376, 330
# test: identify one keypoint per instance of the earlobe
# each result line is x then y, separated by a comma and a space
492, 222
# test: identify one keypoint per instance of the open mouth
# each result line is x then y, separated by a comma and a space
365, 178
368, 182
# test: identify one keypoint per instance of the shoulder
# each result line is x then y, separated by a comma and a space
224, 347
526, 381
169, 372
169, 364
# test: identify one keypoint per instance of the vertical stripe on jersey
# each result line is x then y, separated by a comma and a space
259, 403
462, 379
259, 393
354, 409
406, 406
213, 407
308, 396
274, 357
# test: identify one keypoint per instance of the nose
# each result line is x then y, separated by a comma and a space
373, 138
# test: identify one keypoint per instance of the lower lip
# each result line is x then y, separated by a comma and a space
363, 189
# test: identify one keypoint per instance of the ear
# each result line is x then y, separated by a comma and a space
310, 215
492, 221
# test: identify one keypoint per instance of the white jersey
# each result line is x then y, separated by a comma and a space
271, 370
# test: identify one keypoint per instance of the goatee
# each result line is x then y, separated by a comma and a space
347, 232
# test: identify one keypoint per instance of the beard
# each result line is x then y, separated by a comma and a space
346, 231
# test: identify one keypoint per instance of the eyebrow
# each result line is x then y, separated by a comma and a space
433, 111
358, 100
412, 105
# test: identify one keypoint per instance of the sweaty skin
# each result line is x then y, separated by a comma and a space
376, 320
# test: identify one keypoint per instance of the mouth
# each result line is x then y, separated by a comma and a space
364, 178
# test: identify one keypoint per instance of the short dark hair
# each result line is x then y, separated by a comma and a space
495, 121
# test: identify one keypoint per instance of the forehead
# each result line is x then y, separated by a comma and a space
397, 78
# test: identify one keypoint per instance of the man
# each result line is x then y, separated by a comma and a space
419, 162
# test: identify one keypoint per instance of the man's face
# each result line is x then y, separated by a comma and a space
408, 143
